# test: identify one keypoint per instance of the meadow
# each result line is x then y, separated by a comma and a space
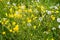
29, 19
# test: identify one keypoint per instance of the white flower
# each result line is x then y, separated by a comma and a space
16, 12
55, 7
8, 2
58, 19
29, 24
40, 18
37, 0
53, 28
46, 32
22, 6
14, 4
4, 18
59, 26
48, 12
57, 4
36, 11
51, 7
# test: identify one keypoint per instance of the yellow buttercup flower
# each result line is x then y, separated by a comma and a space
34, 18
19, 10
52, 17
13, 23
11, 10
5, 22
52, 11
30, 10
52, 39
28, 20
4, 33
57, 11
16, 28
11, 30
11, 16
6, 14
17, 15
43, 9
19, 6
25, 10
34, 27
22, 6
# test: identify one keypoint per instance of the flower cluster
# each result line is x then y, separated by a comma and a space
29, 20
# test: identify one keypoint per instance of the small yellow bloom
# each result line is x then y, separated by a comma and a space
34, 18
25, 11
6, 14
43, 9
23, 22
19, 6
28, 20
16, 28
11, 10
11, 15
34, 27
3, 33
52, 11
6, 22
11, 30
30, 10
52, 39
13, 23
52, 17
23, 7
57, 11
32, 15
19, 10
17, 15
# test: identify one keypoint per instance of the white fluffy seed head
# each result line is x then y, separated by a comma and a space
48, 12
59, 26
58, 19
53, 28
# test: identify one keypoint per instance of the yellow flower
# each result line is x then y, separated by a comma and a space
13, 23
23, 22
34, 18
6, 14
30, 10
43, 9
52, 17
19, 10
11, 16
34, 27
11, 30
52, 11
19, 6
57, 11
5, 22
11, 10
17, 15
3, 33
28, 20
16, 28
25, 10
52, 39
2, 23
23, 7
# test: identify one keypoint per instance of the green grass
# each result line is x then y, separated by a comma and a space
29, 19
